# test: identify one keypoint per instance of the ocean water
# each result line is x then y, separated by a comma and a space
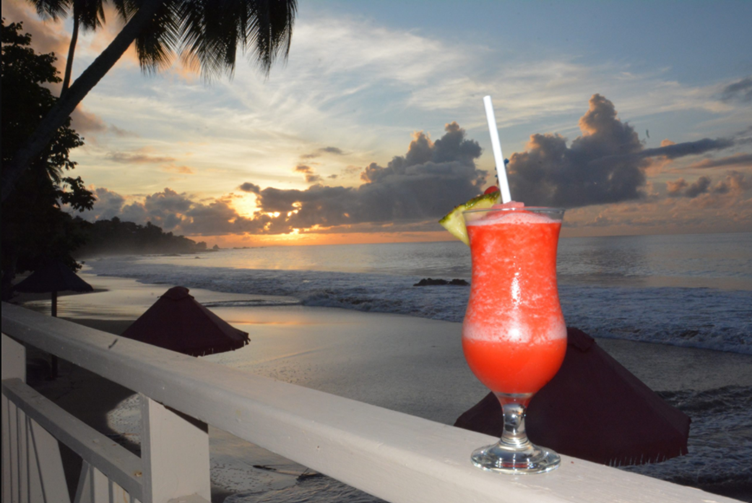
684, 290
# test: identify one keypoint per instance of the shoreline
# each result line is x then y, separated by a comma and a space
359, 355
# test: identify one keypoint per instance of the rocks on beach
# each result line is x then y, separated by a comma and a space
439, 282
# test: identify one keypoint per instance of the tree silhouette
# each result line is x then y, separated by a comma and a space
207, 32
116, 237
34, 226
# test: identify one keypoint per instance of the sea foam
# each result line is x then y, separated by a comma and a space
690, 317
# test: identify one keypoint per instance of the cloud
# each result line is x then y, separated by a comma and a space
120, 132
250, 187
332, 150
738, 91
699, 187
605, 165
425, 183
86, 122
734, 182
175, 212
676, 150
401, 70
351, 171
310, 175
166, 209
733, 160
552, 174
137, 158
168, 200
108, 204
676, 188
323, 150
183, 170
418, 187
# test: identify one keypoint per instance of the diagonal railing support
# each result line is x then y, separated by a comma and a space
116, 467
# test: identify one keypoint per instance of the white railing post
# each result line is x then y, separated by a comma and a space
92, 486
13, 426
46, 474
174, 453
95, 487
14, 359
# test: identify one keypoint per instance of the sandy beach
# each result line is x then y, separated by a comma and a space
404, 363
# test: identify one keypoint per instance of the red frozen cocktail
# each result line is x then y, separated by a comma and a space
513, 335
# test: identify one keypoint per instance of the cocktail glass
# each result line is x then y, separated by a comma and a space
513, 336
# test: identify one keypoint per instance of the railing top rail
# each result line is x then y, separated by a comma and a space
389, 454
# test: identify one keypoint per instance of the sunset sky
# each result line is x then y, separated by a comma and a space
636, 116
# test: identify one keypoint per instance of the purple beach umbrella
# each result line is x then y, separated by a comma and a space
593, 409
178, 323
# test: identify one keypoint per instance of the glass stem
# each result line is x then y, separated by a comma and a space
514, 407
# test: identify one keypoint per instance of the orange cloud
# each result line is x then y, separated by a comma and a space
656, 165
183, 170
87, 122
140, 156
675, 187
310, 174
46, 35
733, 160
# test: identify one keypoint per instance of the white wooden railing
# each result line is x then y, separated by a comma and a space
394, 456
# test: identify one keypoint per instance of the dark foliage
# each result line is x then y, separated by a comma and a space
34, 227
118, 237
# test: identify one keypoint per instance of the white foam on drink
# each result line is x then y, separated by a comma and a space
513, 218
516, 333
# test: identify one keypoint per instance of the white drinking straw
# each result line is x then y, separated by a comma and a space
501, 171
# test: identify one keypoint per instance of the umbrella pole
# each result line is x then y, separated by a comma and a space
53, 358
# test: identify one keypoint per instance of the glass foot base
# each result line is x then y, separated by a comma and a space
529, 460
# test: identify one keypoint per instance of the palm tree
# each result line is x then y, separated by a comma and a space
87, 14
207, 32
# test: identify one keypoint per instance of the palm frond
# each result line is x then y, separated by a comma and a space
52, 9
157, 44
126, 8
212, 30
90, 13
207, 33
